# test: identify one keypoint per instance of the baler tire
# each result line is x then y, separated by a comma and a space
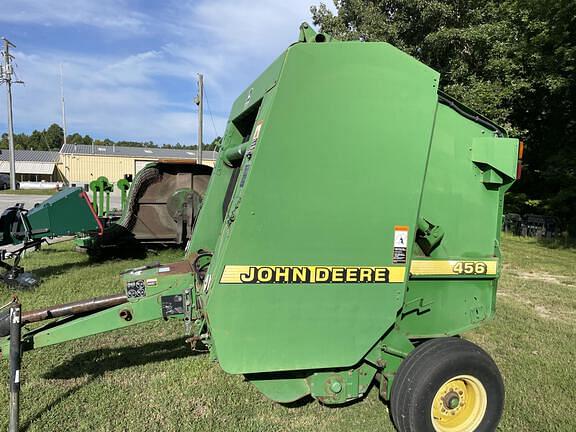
444, 363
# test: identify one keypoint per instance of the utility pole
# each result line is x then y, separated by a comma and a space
200, 103
63, 103
6, 72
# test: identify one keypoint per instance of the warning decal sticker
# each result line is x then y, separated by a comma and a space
254, 140
400, 244
257, 131
135, 289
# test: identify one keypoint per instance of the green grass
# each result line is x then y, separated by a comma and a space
145, 379
28, 192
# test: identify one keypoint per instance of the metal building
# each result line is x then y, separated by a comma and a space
84, 163
32, 165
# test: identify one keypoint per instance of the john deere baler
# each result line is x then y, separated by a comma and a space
349, 234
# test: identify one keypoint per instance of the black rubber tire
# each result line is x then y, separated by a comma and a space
427, 368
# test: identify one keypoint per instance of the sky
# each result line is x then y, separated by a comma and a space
130, 67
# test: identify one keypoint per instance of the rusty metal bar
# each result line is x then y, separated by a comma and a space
75, 308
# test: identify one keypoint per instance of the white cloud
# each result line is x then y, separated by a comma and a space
108, 14
129, 96
103, 98
232, 41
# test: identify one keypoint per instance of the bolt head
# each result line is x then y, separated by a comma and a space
336, 387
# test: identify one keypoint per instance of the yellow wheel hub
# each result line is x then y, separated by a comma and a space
459, 405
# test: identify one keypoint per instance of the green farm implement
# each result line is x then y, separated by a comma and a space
159, 207
349, 233
68, 212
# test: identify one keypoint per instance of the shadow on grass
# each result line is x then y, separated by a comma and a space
55, 270
119, 250
53, 251
97, 362
58, 269
306, 400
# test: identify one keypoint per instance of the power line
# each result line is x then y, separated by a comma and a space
210, 112
63, 103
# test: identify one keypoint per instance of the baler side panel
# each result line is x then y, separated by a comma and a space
341, 112
468, 173
455, 196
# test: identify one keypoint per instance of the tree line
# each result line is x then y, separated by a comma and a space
512, 60
52, 138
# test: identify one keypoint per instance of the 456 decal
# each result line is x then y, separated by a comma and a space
431, 267
470, 268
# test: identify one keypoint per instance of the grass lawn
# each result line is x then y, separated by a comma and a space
146, 379
28, 192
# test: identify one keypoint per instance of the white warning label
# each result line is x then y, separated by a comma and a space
257, 131
400, 244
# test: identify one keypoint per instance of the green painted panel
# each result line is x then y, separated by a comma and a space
339, 163
495, 153
437, 308
255, 91
455, 196
279, 388
65, 213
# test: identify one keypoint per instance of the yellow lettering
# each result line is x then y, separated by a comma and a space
322, 274
249, 277
338, 274
352, 274
381, 274
282, 274
265, 274
325, 274
299, 274
365, 275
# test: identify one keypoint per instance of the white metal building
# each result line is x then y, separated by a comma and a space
32, 165
84, 163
